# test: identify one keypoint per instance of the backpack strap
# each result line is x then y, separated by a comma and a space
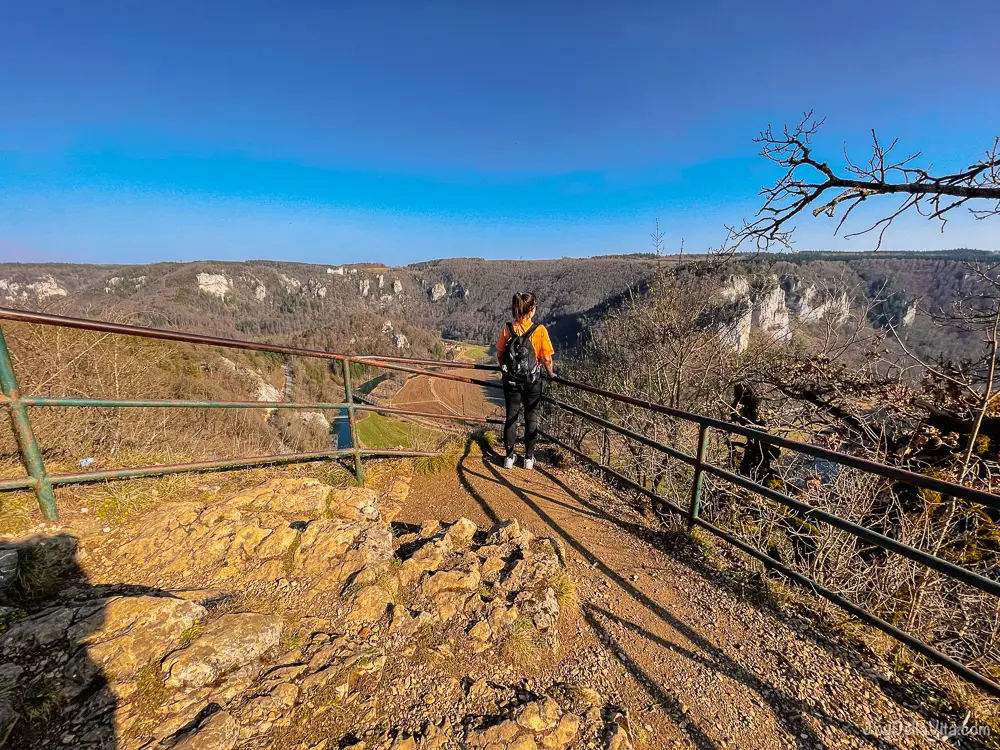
510, 329
527, 334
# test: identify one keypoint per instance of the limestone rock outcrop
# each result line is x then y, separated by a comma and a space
769, 304
303, 593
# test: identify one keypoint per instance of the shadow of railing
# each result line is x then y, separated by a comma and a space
44, 484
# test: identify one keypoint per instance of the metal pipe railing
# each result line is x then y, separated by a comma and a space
801, 509
85, 324
954, 666
844, 459
389, 365
359, 472
43, 483
699, 476
374, 358
30, 453
170, 403
608, 424
113, 403
136, 472
615, 475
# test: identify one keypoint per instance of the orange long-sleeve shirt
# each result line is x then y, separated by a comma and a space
539, 340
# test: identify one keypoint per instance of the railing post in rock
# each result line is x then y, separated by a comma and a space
352, 424
31, 456
699, 476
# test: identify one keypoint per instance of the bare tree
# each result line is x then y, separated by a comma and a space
657, 239
811, 184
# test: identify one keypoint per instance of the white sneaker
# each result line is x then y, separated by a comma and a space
508, 463
529, 464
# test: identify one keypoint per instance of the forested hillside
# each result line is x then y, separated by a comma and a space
367, 308
362, 308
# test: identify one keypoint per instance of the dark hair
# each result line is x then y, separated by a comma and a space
522, 304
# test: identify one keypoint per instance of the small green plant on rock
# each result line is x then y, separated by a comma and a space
150, 695
10, 618
188, 636
691, 542
291, 639
759, 590
427, 641
288, 560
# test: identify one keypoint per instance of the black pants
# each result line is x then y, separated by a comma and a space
516, 395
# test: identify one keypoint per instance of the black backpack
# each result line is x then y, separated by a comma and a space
519, 362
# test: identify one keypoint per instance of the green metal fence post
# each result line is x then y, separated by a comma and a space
351, 422
30, 454
699, 476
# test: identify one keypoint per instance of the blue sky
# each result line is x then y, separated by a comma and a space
338, 132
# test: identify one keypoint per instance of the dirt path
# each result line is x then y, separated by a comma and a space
448, 396
662, 632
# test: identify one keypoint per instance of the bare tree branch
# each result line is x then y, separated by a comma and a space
811, 184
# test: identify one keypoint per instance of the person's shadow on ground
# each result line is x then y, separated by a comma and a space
52, 622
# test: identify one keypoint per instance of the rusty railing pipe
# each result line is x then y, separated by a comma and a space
85, 324
359, 472
844, 459
31, 456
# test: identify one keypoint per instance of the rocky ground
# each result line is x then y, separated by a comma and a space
294, 615
533, 610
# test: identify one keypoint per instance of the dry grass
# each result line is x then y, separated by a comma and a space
379, 473
434, 464
37, 703
18, 512
336, 474
120, 501
564, 587
62, 362
524, 645
38, 571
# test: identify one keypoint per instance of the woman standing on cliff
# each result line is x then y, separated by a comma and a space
524, 350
